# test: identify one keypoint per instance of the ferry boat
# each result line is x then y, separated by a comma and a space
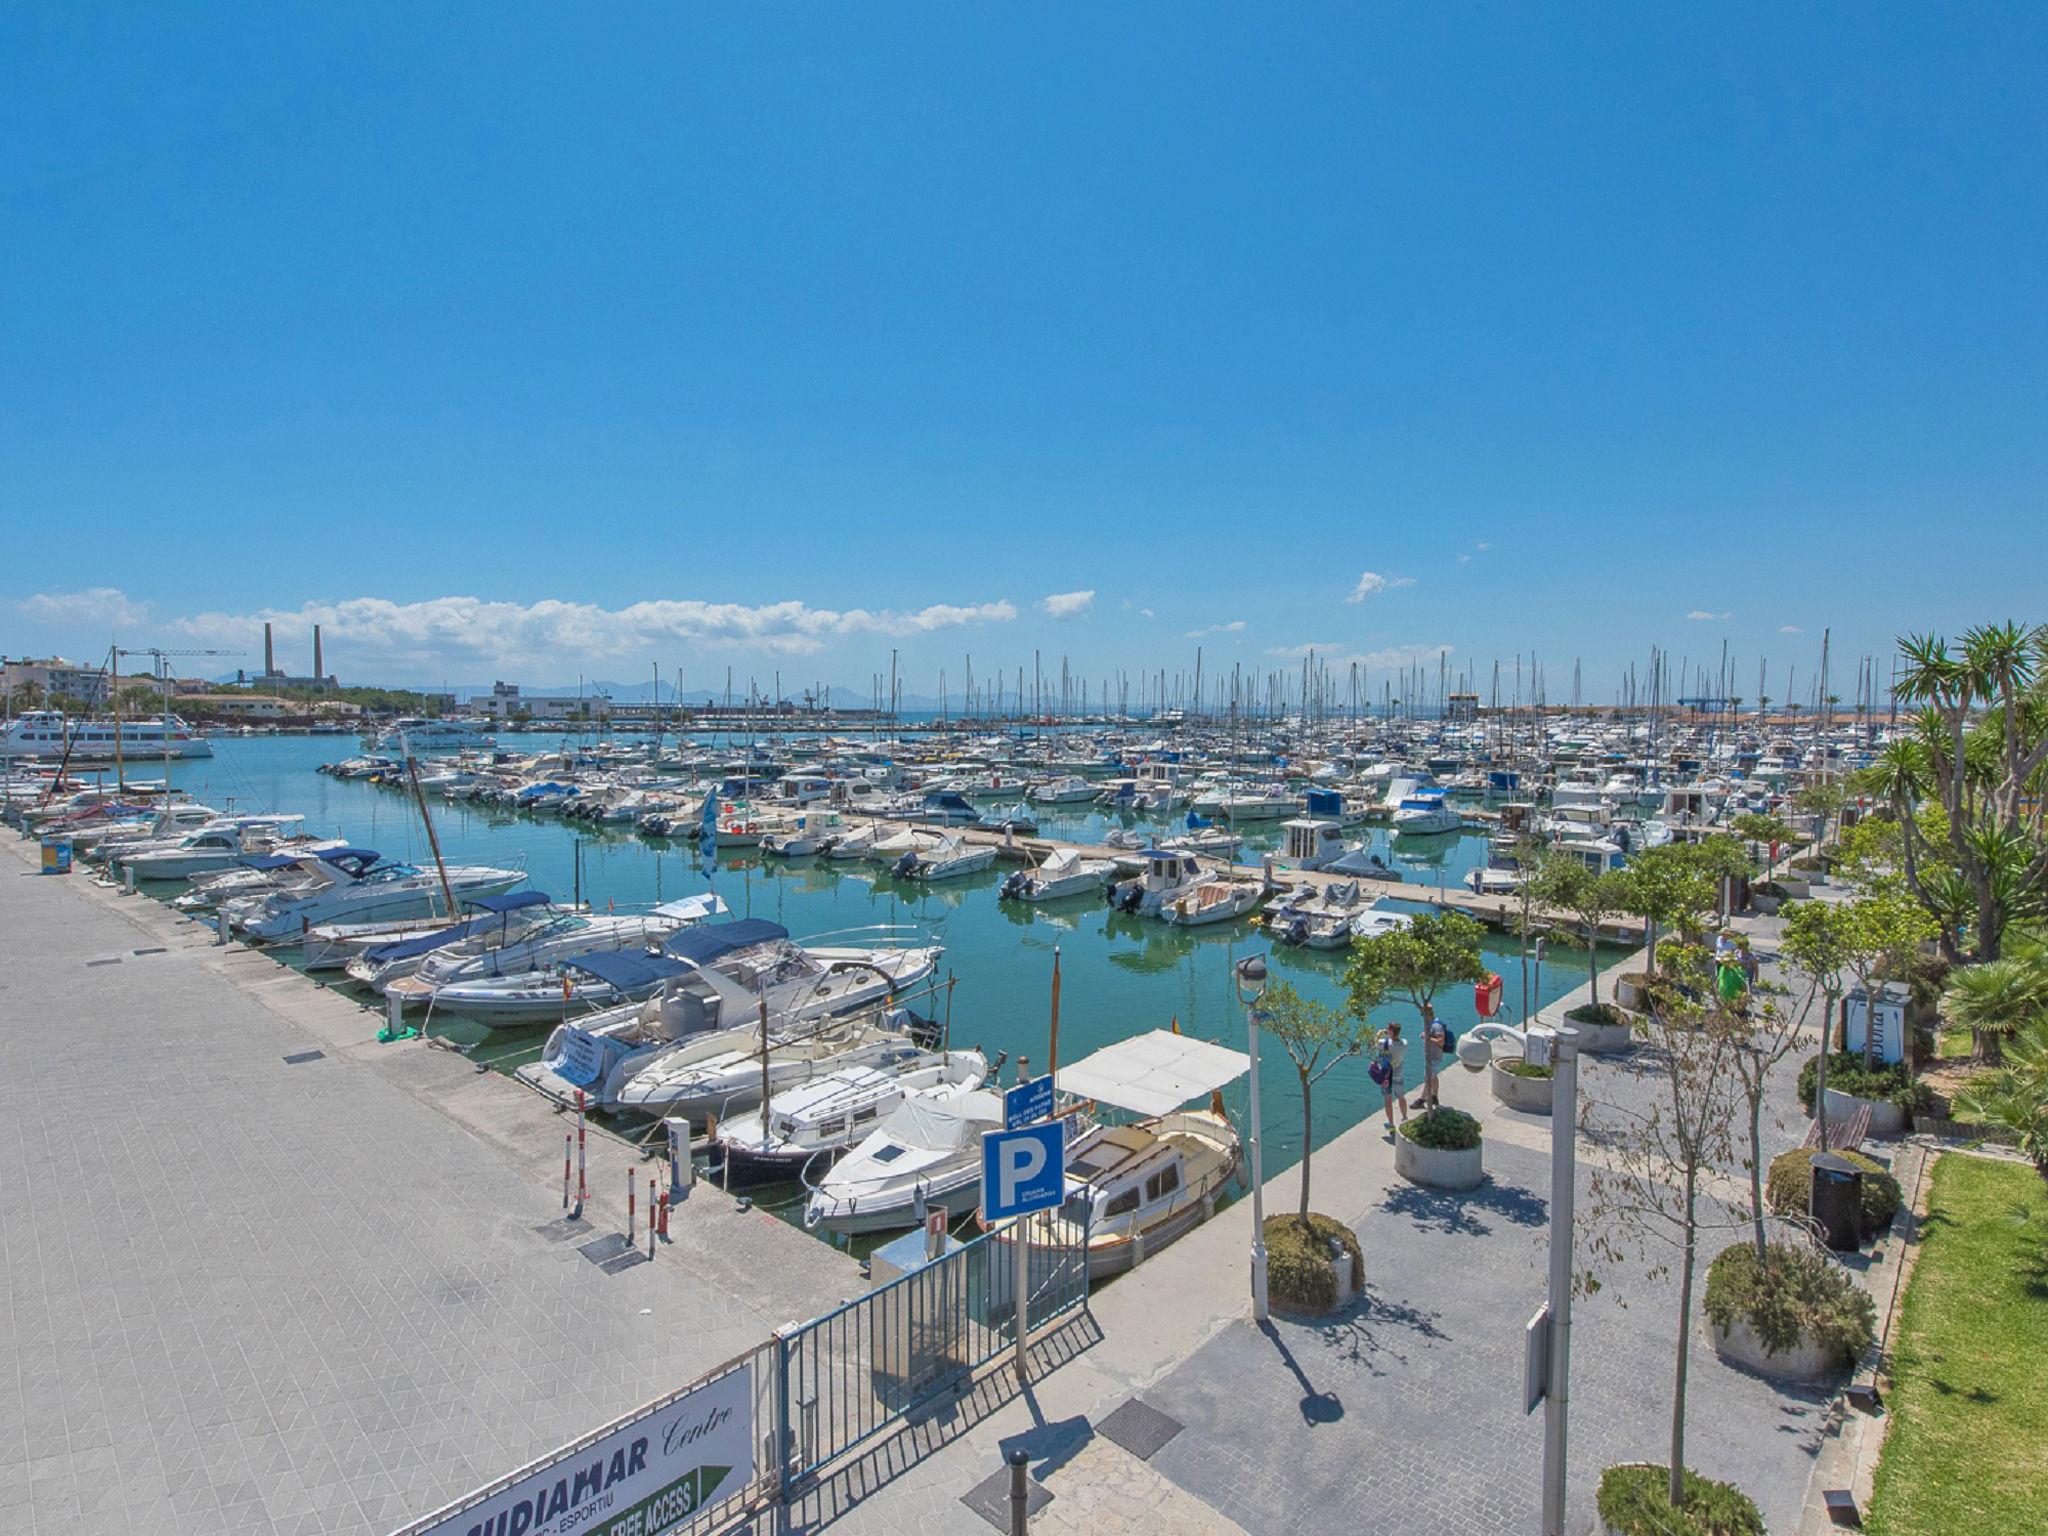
50, 733
418, 734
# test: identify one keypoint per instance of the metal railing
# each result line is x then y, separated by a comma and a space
851, 1374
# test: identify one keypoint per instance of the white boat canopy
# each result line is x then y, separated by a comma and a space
1153, 1074
691, 909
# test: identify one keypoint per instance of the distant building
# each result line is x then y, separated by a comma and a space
55, 678
244, 706
321, 681
506, 702
1462, 706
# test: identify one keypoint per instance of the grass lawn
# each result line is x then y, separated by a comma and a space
1968, 1448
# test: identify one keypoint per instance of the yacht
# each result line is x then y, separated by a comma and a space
384, 893
816, 1121
52, 733
925, 1156
697, 1083
219, 845
415, 734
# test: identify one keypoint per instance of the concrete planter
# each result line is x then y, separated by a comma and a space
1886, 1119
1434, 1168
1531, 1095
1765, 906
1796, 889
1739, 1345
1603, 1039
1631, 994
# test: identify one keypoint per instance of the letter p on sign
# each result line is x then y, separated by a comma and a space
1023, 1170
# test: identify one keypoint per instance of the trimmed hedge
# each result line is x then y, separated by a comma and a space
1514, 1066
1298, 1261
1792, 1291
1443, 1130
1597, 1013
1788, 1188
1887, 1084
1636, 1502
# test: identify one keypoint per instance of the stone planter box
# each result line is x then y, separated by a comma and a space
1629, 993
1434, 1168
1766, 906
1796, 889
1886, 1118
1531, 1095
1804, 1362
1603, 1039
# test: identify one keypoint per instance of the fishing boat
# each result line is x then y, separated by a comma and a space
1217, 898
952, 859
1064, 872
1166, 875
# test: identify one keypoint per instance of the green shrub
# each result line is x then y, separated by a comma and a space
1443, 1130
1298, 1261
1602, 1013
1636, 1501
1514, 1066
1788, 1187
1791, 1291
1891, 1084
1769, 888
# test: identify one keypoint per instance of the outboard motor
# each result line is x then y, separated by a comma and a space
1134, 893
904, 866
1297, 931
1014, 886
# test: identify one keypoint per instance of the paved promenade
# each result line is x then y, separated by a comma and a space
256, 1296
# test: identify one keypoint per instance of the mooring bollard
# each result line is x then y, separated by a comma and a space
1020, 1497
630, 1221
582, 1188
650, 1218
128, 877
394, 1012
220, 928
568, 1146
664, 1218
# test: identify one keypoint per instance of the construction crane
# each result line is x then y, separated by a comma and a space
162, 658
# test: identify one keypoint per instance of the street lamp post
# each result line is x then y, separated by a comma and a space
1251, 986
1564, 1119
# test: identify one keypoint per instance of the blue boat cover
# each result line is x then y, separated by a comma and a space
630, 970
425, 943
518, 901
1325, 802
707, 941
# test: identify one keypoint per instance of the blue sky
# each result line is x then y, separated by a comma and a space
534, 340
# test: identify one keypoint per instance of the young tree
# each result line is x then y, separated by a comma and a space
1316, 1037
1564, 882
1527, 918
1997, 999
1887, 932
1818, 940
1757, 828
1648, 1196
1763, 1036
1435, 950
1665, 886
1824, 799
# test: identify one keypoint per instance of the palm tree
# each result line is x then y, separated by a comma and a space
1998, 999
2016, 1095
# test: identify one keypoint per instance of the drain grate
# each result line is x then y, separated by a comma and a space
303, 1057
111, 960
158, 950
1140, 1429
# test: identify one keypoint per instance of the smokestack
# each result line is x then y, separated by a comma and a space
317, 673
269, 665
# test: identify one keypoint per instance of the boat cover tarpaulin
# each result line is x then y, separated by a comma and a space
426, 943
1153, 1074
517, 901
945, 1125
627, 969
701, 945
691, 908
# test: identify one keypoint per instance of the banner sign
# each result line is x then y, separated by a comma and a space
582, 1064
650, 1473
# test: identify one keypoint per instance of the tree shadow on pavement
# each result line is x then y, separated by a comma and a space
1371, 1332
1464, 1212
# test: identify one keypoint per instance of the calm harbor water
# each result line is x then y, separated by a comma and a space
1120, 974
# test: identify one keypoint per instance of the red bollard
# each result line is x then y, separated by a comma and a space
630, 1224
664, 1216
650, 1218
568, 1143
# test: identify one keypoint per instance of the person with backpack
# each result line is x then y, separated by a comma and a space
1389, 1051
1436, 1040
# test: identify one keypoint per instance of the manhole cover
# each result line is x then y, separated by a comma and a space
990, 1498
1139, 1428
303, 1057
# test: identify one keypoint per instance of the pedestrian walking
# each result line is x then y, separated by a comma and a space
1389, 1052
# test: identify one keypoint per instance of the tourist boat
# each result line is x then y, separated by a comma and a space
925, 1156
413, 735
1134, 1187
816, 1121
53, 734
952, 859
1216, 899
1064, 872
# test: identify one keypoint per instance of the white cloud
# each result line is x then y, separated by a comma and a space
1147, 613
102, 607
1790, 629
1699, 615
1372, 583
1234, 627
1068, 605
439, 629
1386, 659
1482, 544
1464, 559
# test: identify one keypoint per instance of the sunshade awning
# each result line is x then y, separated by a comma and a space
690, 908
1152, 1074
626, 969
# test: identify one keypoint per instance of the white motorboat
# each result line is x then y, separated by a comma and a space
1068, 791
218, 846
925, 1156
1494, 882
1217, 899
1425, 813
816, 1121
1167, 875
1309, 917
385, 893
952, 859
414, 735
266, 873
1015, 818
1373, 921
702, 1085
815, 829
1063, 873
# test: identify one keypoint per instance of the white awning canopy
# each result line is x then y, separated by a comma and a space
1152, 1074
690, 909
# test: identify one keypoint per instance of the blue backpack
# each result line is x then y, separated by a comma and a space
1381, 1071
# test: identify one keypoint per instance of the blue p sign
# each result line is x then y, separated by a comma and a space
1023, 1170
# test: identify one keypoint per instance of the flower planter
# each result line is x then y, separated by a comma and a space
1603, 1039
1886, 1118
1435, 1168
1531, 1095
1739, 1345
1631, 994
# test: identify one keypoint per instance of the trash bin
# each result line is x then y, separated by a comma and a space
56, 855
1836, 1202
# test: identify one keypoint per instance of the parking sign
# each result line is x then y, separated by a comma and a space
1023, 1170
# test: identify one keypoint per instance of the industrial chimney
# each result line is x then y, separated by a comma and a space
317, 673
269, 662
